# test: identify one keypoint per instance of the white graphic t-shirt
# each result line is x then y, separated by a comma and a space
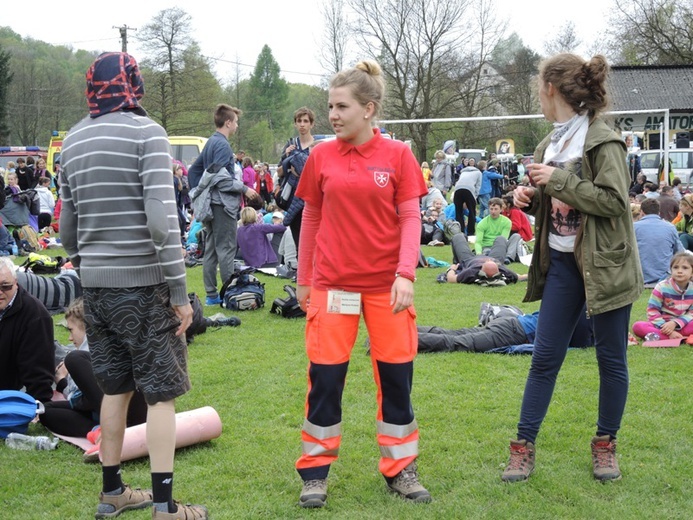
565, 152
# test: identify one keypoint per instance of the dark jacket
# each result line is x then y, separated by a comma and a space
27, 351
605, 248
293, 167
217, 151
470, 272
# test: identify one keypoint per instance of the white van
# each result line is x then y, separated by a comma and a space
681, 164
472, 153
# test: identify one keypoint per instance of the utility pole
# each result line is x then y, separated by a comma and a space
124, 36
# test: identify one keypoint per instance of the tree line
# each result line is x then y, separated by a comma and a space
441, 59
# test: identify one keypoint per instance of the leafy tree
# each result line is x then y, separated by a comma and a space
47, 88
267, 92
197, 94
261, 142
518, 65
5, 80
653, 32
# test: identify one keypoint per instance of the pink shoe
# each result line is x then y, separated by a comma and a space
94, 436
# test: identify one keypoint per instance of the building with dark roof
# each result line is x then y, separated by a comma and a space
654, 87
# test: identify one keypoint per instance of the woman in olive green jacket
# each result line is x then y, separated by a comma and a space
585, 256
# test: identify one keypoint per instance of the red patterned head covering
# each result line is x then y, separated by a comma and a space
114, 83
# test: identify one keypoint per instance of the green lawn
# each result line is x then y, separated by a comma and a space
467, 406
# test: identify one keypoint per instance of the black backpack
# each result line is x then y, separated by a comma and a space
288, 307
199, 324
242, 292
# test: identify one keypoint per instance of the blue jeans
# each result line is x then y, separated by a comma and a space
561, 308
483, 203
686, 240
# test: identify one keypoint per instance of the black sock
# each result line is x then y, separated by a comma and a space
111, 479
162, 490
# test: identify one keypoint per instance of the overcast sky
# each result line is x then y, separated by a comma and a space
235, 31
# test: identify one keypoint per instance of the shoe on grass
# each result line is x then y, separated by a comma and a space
209, 301
111, 506
604, 463
406, 484
184, 512
521, 463
314, 493
224, 321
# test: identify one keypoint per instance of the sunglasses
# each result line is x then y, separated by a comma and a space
6, 287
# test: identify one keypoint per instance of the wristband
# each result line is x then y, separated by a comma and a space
408, 276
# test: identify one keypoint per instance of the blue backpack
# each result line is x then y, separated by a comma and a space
242, 292
17, 410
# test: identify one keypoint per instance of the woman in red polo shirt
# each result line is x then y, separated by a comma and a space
354, 262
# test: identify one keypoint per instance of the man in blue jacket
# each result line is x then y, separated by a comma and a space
220, 239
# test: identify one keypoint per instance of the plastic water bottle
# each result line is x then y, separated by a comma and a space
18, 441
15, 250
651, 336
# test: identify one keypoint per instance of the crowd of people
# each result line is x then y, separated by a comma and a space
577, 187
464, 194
30, 198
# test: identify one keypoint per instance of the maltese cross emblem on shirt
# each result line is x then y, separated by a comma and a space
381, 178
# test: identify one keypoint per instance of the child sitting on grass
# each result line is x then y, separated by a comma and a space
670, 308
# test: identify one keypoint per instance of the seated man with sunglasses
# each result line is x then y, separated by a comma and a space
27, 351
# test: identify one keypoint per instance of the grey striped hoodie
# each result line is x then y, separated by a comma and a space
118, 221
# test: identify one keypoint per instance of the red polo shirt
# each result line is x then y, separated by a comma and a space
357, 190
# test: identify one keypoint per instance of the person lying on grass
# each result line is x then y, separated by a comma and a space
479, 269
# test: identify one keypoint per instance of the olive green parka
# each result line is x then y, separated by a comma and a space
605, 247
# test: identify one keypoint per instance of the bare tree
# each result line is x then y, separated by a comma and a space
333, 46
418, 43
565, 40
519, 66
478, 83
653, 32
24, 99
164, 40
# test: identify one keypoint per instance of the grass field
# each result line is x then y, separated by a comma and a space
467, 406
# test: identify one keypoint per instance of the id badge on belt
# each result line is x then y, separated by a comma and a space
343, 302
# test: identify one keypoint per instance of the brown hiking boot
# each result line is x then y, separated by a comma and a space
185, 512
604, 463
406, 484
521, 463
128, 499
314, 493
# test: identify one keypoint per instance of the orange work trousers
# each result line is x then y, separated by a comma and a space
330, 338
